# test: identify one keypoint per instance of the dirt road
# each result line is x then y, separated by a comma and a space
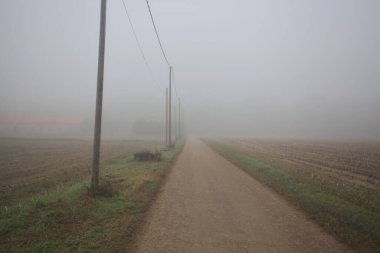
209, 205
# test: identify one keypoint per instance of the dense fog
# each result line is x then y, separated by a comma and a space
247, 68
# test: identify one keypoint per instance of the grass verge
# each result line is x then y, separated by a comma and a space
69, 220
355, 224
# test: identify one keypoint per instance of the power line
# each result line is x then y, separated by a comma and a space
162, 49
140, 48
158, 37
171, 75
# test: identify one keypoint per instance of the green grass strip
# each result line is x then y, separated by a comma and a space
69, 220
353, 224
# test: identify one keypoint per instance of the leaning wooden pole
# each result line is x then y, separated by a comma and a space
99, 99
179, 118
175, 124
170, 106
166, 121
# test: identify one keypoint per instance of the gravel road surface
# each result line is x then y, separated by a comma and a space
209, 205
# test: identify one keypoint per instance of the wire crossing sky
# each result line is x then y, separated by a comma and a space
158, 37
140, 48
162, 49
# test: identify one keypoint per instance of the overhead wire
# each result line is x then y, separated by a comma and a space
162, 48
140, 48
163, 51
158, 37
142, 51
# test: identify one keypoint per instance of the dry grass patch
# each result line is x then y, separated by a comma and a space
69, 220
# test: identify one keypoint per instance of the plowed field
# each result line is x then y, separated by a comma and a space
33, 166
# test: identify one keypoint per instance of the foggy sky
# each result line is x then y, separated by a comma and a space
246, 68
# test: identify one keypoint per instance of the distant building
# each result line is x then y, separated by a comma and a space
41, 127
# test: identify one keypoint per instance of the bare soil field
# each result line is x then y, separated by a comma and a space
34, 166
357, 163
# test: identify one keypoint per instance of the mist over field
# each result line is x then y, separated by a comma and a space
266, 69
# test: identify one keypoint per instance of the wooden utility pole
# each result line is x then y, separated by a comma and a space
179, 118
166, 120
99, 99
170, 106
175, 124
